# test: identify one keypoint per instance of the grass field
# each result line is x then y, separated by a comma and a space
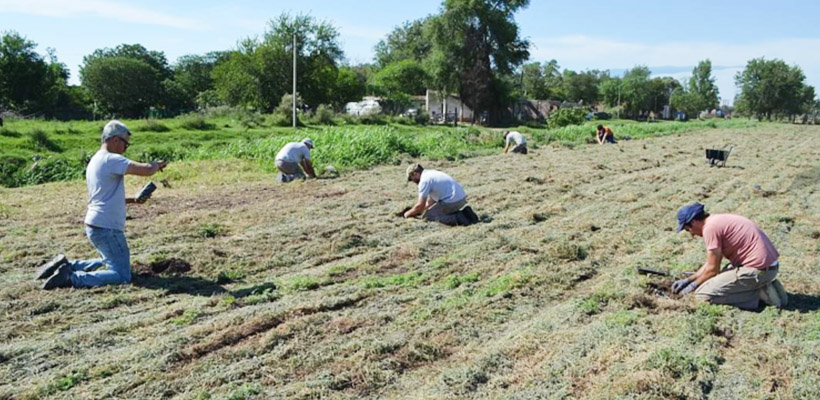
316, 290
35, 151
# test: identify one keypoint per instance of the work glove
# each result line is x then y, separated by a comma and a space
689, 288
680, 285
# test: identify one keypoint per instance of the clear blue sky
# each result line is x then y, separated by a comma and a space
670, 38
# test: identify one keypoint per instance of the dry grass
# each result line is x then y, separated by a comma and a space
317, 290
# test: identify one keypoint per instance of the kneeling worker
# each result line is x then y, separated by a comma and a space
290, 157
753, 273
105, 218
604, 134
441, 198
518, 139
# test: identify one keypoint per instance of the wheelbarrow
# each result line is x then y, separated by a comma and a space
718, 157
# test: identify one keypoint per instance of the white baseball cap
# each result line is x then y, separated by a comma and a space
308, 142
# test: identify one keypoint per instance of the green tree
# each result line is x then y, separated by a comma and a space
583, 86
533, 82
193, 76
235, 79
474, 43
635, 90
660, 90
121, 85
407, 76
406, 42
702, 86
350, 86
771, 88
25, 77
126, 80
554, 81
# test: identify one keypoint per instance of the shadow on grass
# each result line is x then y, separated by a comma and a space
803, 302
179, 284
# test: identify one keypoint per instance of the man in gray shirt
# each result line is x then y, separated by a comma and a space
105, 218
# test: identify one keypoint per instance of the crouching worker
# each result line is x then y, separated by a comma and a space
291, 157
517, 138
604, 135
441, 198
105, 218
754, 265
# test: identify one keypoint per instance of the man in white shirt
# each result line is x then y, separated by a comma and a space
105, 218
291, 157
440, 199
518, 139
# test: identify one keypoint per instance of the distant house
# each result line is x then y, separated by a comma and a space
446, 108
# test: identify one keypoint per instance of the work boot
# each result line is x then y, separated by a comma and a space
470, 214
60, 279
781, 293
768, 295
47, 269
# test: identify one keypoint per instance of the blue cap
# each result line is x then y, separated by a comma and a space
687, 213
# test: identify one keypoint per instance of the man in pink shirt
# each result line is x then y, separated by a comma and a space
754, 261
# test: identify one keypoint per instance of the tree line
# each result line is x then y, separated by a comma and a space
470, 48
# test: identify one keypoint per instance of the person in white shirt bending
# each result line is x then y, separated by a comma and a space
291, 157
517, 138
440, 199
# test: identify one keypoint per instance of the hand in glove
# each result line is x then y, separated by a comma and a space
680, 284
689, 288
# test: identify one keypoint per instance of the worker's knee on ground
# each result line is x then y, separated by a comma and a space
704, 297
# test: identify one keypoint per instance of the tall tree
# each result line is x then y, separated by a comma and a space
635, 90
406, 42
24, 75
582, 86
475, 41
771, 88
702, 86
127, 79
533, 82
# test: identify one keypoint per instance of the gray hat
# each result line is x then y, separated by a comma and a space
411, 169
308, 142
115, 128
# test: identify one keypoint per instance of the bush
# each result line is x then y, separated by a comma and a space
195, 122
324, 115
39, 140
566, 116
154, 126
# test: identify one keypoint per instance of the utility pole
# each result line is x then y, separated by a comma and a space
294, 80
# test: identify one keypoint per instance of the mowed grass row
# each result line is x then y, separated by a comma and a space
316, 290
34, 152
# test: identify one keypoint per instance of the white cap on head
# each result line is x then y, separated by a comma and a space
308, 142
115, 128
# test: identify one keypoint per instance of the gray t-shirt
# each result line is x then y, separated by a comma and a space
106, 190
293, 152
440, 187
517, 138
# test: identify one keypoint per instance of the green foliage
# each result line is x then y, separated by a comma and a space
245, 392
67, 382
567, 116
406, 42
39, 140
187, 318
153, 125
466, 36
195, 122
769, 88
407, 279
210, 230
124, 86
406, 76
455, 280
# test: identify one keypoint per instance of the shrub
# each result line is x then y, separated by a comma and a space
195, 122
39, 140
324, 115
154, 126
566, 116
9, 133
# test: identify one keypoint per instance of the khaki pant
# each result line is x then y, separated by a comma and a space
290, 170
737, 287
446, 213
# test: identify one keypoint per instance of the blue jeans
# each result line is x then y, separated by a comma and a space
115, 256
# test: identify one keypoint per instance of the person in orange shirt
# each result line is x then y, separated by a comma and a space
604, 134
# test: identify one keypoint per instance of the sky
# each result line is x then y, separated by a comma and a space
669, 38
